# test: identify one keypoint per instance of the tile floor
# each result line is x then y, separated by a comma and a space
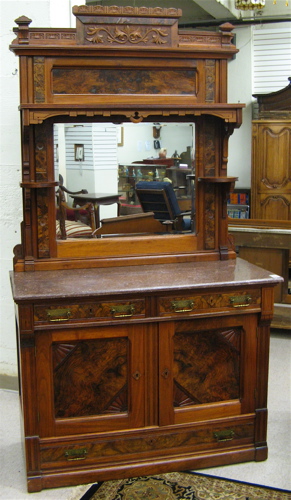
275, 472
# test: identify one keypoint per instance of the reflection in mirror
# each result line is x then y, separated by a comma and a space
124, 179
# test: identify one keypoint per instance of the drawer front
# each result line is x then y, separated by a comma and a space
118, 449
119, 310
197, 304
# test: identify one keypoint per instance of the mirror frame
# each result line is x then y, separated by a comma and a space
182, 75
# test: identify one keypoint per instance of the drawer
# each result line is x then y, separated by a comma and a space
197, 304
147, 444
111, 310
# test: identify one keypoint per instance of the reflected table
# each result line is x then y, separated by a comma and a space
97, 199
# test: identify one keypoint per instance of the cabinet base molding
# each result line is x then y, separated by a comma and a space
140, 468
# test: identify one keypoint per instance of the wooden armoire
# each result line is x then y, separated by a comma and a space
271, 156
142, 353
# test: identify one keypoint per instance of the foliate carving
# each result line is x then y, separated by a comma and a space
209, 224
38, 79
209, 150
125, 35
40, 154
127, 26
42, 224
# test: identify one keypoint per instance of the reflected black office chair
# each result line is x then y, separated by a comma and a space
160, 198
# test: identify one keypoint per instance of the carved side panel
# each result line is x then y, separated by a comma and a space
42, 223
206, 366
209, 216
209, 140
90, 377
208, 168
41, 159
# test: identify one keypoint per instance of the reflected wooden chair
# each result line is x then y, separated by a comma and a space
61, 193
73, 222
160, 198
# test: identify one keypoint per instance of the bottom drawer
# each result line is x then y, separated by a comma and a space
145, 444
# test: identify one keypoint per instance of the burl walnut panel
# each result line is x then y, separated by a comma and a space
124, 81
206, 366
90, 377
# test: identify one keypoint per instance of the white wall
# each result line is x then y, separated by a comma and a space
240, 90
43, 13
138, 141
58, 13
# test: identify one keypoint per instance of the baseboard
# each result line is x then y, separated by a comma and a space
8, 382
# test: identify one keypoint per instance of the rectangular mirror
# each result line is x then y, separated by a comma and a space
114, 163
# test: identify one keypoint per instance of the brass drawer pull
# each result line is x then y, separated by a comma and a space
240, 301
122, 311
55, 315
72, 455
226, 435
181, 306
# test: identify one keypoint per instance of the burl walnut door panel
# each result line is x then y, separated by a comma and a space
90, 378
207, 369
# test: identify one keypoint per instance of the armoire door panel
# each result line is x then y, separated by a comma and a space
271, 170
96, 378
275, 151
274, 206
203, 370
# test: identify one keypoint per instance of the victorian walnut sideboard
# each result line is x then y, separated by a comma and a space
141, 353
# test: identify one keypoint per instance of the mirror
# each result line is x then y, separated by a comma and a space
108, 160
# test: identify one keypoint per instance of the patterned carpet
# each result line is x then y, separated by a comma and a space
181, 486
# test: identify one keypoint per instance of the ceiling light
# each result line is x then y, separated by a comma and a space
250, 4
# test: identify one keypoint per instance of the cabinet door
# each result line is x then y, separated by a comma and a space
271, 170
207, 369
90, 379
